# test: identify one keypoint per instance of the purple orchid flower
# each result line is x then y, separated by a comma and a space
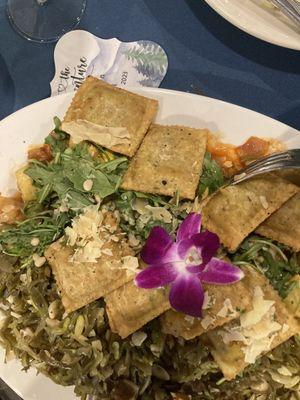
184, 264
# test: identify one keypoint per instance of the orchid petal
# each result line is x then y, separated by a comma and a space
207, 244
195, 269
187, 295
156, 246
189, 227
155, 277
219, 272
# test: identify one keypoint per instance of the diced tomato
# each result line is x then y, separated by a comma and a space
253, 149
41, 153
11, 209
225, 155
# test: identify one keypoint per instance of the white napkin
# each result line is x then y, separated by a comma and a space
79, 54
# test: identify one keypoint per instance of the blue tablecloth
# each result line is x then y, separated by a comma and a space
205, 52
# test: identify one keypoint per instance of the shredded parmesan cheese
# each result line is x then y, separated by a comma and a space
257, 328
128, 263
231, 336
189, 319
105, 136
207, 321
227, 310
90, 236
157, 213
208, 301
260, 308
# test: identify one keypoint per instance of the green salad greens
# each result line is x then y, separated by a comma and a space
276, 261
79, 348
212, 176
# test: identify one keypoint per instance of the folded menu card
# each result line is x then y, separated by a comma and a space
80, 53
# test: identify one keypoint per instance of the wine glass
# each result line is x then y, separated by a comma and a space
44, 20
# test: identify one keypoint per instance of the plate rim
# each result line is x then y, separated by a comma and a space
252, 32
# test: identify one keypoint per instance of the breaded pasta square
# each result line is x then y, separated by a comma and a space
112, 117
169, 160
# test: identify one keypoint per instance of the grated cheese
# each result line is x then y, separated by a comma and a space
157, 213
189, 319
207, 321
128, 263
132, 240
257, 328
85, 235
208, 301
227, 310
260, 308
105, 136
232, 336
90, 235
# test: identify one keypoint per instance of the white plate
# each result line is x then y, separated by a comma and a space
31, 124
262, 22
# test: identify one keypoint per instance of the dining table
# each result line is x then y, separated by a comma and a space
206, 55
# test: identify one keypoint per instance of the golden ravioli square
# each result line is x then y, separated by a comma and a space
99, 105
80, 283
235, 211
232, 357
170, 159
129, 308
226, 302
284, 225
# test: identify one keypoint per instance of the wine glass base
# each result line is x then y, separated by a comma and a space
45, 23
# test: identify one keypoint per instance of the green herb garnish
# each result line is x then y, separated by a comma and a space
212, 177
276, 261
65, 177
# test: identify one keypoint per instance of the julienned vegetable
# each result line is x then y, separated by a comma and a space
80, 349
74, 355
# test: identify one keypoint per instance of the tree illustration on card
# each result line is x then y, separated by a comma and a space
150, 60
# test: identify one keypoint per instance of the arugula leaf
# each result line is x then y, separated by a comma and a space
58, 139
113, 165
277, 262
43, 225
65, 176
212, 176
140, 225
